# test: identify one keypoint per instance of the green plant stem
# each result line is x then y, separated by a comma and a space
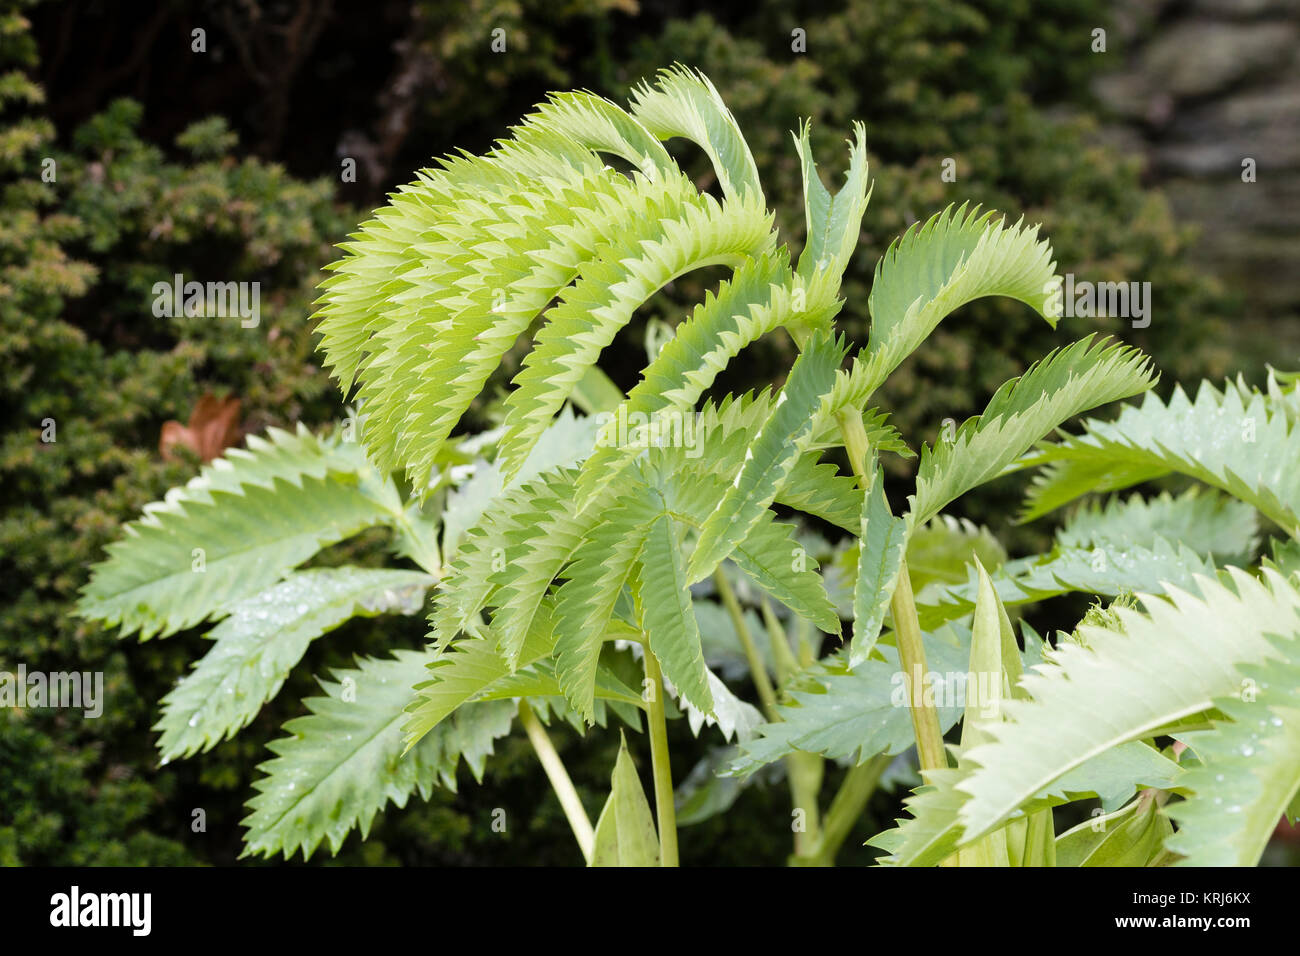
858, 786
559, 777
803, 771
907, 626
757, 669
911, 654
783, 659
665, 810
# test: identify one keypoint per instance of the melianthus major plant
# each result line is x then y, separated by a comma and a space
598, 565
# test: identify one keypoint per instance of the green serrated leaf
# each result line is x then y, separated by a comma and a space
199, 558
1250, 766
667, 614
1129, 685
884, 540
775, 450
1105, 569
1237, 440
343, 761
1068, 381
1203, 522
467, 669
854, 715
263, 638
958, 255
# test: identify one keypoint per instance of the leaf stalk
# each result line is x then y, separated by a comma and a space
665, 809
567, 794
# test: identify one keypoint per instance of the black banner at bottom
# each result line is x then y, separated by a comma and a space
336, 905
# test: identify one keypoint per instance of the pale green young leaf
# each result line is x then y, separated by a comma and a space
509, 559
883, 541
762, 294
1128, 683
993, 674
433, 290
774, 561
691, 233
1068, 381
538, 680
597, 124
1249, 772
776, 447
1236, 440
467, 669
264, 637
343, 761
602, 565
684, 103
934, 268
668, 616
625, 830
833, 222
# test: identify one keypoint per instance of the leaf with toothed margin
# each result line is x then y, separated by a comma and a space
1068, 381
633, 265
467, 669
833, 222
435, 289
668, 614
769, 556
855, 715
1235, 439
1202, 521
584, 603
1104, 569
1249, 770
234, 530
884, 539
933, 831
776, 448
264, 637
684, 102
343, 761
1166, 665
956, 256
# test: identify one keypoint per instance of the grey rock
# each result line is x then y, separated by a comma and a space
1245, 9
1214, 138
1249, 235
1202, 57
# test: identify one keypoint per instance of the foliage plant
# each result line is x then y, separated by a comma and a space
587, 569
132, 205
